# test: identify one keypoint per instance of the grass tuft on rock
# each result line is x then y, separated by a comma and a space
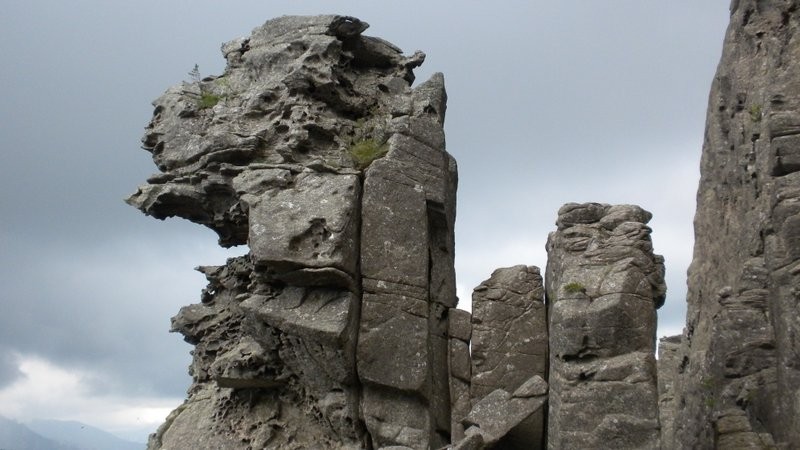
574, 288
207, 100
366, 151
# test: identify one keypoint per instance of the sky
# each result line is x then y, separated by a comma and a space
549, 103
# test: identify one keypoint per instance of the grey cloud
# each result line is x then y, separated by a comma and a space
108, 309
9, 368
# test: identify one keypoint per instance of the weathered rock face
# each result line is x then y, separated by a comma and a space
740, 359
603, 286
509, 342
332, 332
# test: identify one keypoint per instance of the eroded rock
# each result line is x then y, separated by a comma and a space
314, 150
603, 287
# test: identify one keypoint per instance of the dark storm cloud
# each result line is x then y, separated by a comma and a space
549, 102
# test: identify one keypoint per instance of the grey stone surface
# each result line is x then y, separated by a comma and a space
255, 380
332, 332
315, 221
499, 414
408, 279
509, 338
460, 374
741, 345
460, 325
603, 287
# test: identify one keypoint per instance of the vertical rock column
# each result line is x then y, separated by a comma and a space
408, 279
603, 287
509, 342
737, 383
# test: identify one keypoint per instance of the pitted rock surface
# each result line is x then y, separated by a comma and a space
314, 150
603, 287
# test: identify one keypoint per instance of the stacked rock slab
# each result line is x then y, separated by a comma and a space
509, 343
332, 332
603, 287
738, 379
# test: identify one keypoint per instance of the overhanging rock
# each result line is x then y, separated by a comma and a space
314, 150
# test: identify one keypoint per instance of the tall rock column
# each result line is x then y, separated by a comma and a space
407, 252
314, 150
737, 382
603, 286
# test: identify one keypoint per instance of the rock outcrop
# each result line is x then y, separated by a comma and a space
738, 378
603, 287
332, 332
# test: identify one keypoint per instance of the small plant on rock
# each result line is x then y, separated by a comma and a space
574, 288
207, 99
755, 113
366, 151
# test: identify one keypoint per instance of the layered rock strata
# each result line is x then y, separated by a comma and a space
738, 378
509, 343
332, 332
603, 286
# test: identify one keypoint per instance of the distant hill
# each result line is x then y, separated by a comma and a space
16, 436
81, 436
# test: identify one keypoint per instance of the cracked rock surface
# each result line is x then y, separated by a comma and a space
509, 342
313, 149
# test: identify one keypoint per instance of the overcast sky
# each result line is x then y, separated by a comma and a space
549, 102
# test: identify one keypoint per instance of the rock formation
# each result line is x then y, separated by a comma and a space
603, 287
339, 329
739, 370
509, 342
313, 149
